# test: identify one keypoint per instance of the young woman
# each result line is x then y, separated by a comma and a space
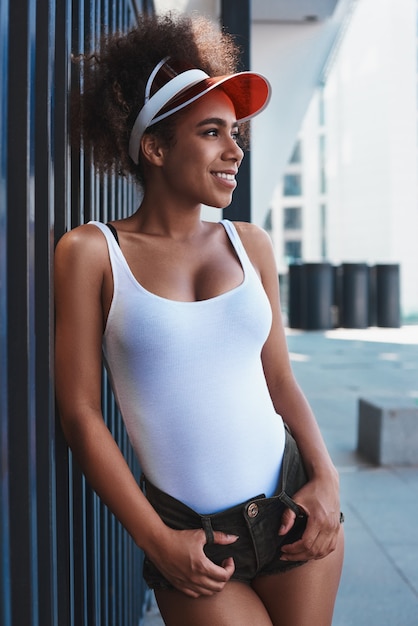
238, 528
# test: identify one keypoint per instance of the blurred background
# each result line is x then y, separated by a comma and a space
332, 176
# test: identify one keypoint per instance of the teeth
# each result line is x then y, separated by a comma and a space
226, 176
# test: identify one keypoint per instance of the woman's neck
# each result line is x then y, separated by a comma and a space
157, 216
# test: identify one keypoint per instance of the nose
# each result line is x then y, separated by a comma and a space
233, 151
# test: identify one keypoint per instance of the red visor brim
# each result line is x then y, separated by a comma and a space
248, 92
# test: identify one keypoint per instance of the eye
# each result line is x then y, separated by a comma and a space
212, 132
235, 134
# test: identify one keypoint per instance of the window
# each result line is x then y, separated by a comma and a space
323, 223
268, 221
322, 180
292, 185
293, 251
296, 154
292, 218
322, 147
321, 108
322, 172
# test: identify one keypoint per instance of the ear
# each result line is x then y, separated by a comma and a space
152, 149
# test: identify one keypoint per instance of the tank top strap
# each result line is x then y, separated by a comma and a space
117, 260
237, 244
107, 231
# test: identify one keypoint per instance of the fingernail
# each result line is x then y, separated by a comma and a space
235, 537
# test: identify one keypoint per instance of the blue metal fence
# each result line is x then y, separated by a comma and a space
64, 560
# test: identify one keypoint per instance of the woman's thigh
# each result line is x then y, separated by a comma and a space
236, 605
305, 595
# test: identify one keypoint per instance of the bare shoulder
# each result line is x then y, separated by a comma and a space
256, 241
252, 235
81, 260
83, 242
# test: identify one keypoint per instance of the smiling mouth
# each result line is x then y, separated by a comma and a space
224, 176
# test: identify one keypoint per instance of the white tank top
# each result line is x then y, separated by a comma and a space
189, 383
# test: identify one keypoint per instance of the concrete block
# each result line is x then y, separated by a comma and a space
388, 430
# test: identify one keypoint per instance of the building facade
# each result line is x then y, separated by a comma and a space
349, 191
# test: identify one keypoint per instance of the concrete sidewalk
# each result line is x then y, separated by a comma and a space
335, 368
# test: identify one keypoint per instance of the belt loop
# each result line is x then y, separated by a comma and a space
291, 504
207, 527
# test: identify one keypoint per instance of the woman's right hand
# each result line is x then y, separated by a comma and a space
181, 559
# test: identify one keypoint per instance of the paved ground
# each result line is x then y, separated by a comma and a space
379, 586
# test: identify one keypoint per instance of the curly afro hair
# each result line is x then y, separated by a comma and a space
113, 82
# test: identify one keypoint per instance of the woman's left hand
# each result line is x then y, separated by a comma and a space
319, 498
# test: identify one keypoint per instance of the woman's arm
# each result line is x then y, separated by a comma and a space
80, 266
82, 275
320, 497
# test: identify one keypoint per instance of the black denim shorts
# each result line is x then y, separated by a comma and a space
256, 522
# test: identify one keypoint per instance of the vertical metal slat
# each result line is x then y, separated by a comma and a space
5, 573
60, 548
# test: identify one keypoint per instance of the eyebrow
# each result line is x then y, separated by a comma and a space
216, 120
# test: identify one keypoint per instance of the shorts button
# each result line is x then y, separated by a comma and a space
252, 510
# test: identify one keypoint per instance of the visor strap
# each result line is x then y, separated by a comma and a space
152, 76
156, 102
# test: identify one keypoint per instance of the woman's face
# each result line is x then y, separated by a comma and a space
201, 164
